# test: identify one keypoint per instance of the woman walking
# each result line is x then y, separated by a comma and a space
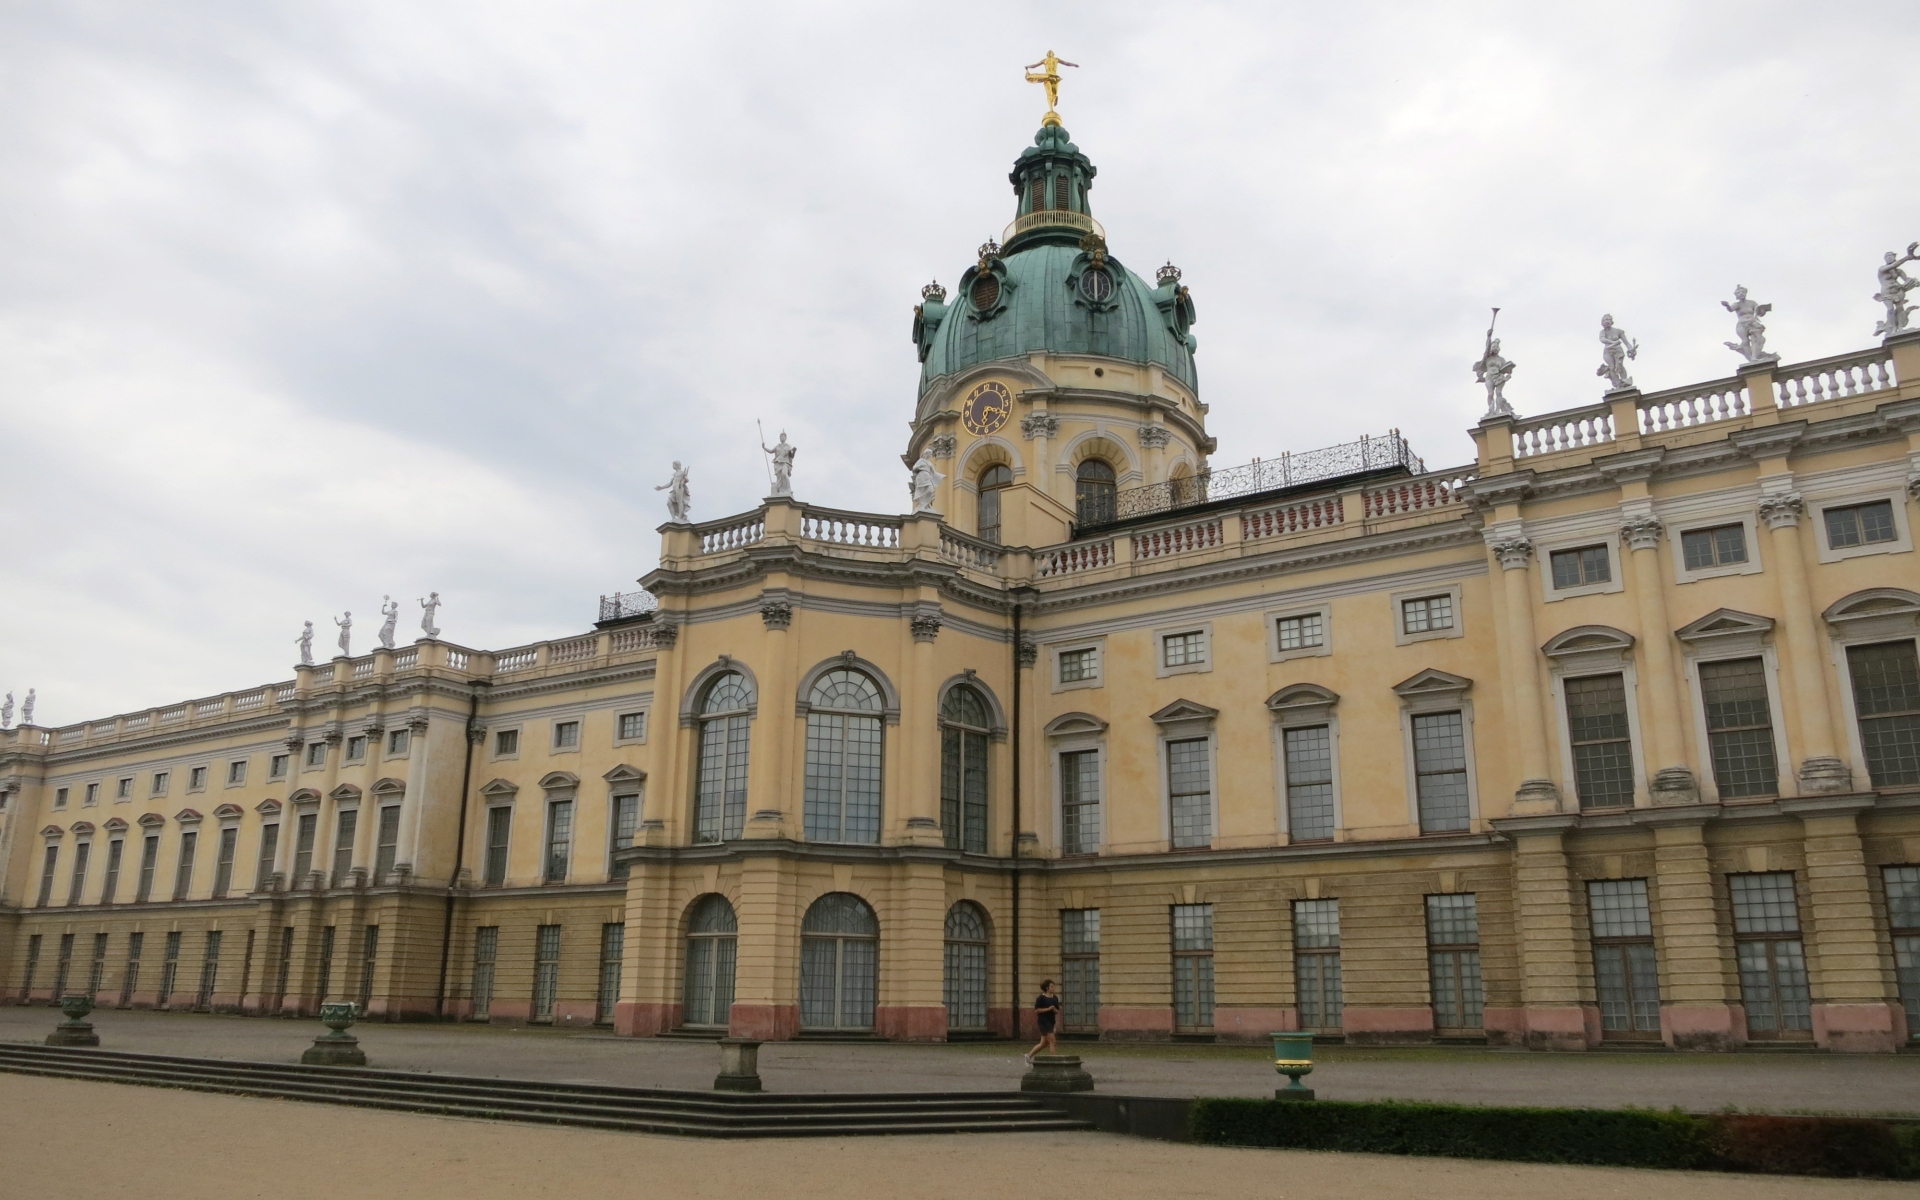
1046, 1010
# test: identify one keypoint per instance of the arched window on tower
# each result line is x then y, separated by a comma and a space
1093, 492
964, 722
992, 480
712, 948
1062, 191
720, 803
843, 759
1039, 192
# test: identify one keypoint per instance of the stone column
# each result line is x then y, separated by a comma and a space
770, 794
1693, 955
1040, 426
1153, 443
918, 733
1673, 781
414, 802
289, 813
1551, 953
1854, 1008
1537, 790
667, 786
1821, 769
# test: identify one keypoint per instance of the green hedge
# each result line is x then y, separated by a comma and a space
1600, 1137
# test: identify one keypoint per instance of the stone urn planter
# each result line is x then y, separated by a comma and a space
76, 1030
1293, 1057
336, 1047
1056, 1073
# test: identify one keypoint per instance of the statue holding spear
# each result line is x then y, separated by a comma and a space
1494, 371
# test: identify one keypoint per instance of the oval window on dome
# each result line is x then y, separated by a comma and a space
985, 292
1096, 285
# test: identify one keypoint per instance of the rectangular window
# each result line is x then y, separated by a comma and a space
110, 886
1301, 633
1886, 701
326, 962
196, 778
123, 788
566, 735
387, 844
1316, 964
1773, 962
97, 972
1080, 802
506, 741
1426, 614
486, 951
559, 840
160, 782
149, 857
223, 862
1080, 969
398, 742
499, 826
1190, 792
633, 726
33, 961
1602, 746
317, 754
1721, 546
1309, 754
1903, 917
1577, 568
269, 846
277, 767
344, 825
60, 797
285, 970
1739, 727
1440, 771
306, 832
1183, 649
546, 971
356, 748
613, 941
62, 967
1860, 525
626, 823
1077, 666
237, 772
136, 942
93, 795
183, 871
1193, 967
369, 955
169, 971
1623, 961
77, 885
209, 970
1453, 961
963, 788
49, 865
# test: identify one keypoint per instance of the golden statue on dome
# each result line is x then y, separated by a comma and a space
1051, 79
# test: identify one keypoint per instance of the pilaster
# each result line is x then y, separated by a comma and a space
1854, 1005
1696, 1012
1551, 953
1821, 770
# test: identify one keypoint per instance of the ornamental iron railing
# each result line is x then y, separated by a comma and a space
621, 605
1268, 475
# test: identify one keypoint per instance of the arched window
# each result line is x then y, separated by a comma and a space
966, 970
992, 480
839, 963
843, 759
720, 806
712, 948
964, 722
1093, 492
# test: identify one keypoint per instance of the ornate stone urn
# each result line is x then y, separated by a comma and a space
75, 1030
1293, 1057
336, 1047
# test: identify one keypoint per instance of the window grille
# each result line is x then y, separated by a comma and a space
1427, 614
77, 885
964, 723
1038, 189
566, 735
60, 797
1078, 665
346, 822
1080, 801
160, 783
183, 873
326, 963
123, 788
843, 759
1453, 961
559, 841
1624, 971
486, 952
1860, 525
613, 941
399, 742
1062, 191
1903, 917
1301, 633
633, 726
110, 883
97, 972
506, 742
839, 963
992, 480
356, 748
1723, 545
169, 971
149, 856
546, 971
965, 977
209, 970
305, 834
1773, 962
387, 843
712, 950
499, 831
136, 943
1440, 771
1739, 727
626, 823
269, 846
317, 754
1309, 755
49, 865
1886, 701
1193, 967
369, 954
223, 862
720, 808
1602, 745
277, 766
1080, 969
62, 967
1093, 492
1316, 964
1577, 568
1190, 792
1184, 649
33, 962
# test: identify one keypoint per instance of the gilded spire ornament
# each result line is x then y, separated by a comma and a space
1050, 79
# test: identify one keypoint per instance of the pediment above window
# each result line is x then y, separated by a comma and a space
1588, 639
1724, 623
267, 808
500, 789
229, 810
1875, 612
53, 831
304, 796
1184, 710
1432, 685
1302, 695
152, 821
389, 787
625, 774
1075, 724
345, 791
81, 827
559, 781
116, 825
188, 816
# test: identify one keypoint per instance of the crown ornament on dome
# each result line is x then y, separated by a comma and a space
934, 292
1095, 248
1167, 274
989, 250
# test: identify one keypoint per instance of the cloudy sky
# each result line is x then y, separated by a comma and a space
304, 304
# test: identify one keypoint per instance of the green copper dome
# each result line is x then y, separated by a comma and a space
1053, 287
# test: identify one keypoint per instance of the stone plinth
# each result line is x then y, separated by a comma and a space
1056, 1073
739, 1066
75, 1030
336, 1047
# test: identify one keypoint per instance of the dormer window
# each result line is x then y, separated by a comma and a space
985, 292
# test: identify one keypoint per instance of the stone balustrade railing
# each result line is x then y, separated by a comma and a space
1832, 378
1073, 559
1177, 539
1297, 516
1572, 429
969, 551
731, 533
1701, 404
865, 530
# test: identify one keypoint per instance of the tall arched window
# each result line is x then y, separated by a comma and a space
992, 480
966, 969
712, 948
839, 963
843, 759
1093, 492
720, 806
964, 723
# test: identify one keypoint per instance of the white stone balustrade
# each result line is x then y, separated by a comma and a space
1702, 404
968, 551
864, 530
733, 533
1571, 430
1832, 378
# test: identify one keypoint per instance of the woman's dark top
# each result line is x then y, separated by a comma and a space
1048, 1007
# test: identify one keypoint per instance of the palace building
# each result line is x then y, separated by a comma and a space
1610, 734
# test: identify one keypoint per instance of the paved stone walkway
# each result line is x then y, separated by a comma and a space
66, 1138
1757, 1082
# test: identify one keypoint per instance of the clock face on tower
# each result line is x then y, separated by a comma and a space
987, 408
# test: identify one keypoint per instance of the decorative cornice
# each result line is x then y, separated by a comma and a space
1641, 533
1783, 510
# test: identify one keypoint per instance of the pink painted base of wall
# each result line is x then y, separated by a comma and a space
1120, 1024
1867, 1028
1703, 1026
911, 1022
767, 1022
632, 1018
1386, 1026
1000, 1022
1543, 1027
1237, 1024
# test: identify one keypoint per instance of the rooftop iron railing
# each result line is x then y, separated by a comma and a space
1266, 475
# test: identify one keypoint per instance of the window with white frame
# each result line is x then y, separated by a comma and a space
1309, 767
1193, 967
1440, 771
1597, 731
1739, 715
1190, 792
1187, 649
625, 824
1080, 801
277, 767
1427, 614
566, 735
1886, 705
92, 796
60, 797
399, 742
160, 782
1080, 664
123, 788
631, 727
559, 840
1580, 567
196, 778
1714, 546
506, 743
356, 747
316, 754
1453, 961
237, 772
1851, 525
1304, 632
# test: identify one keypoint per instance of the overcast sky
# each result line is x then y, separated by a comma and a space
307, 303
